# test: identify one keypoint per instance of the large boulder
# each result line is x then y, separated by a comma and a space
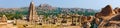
90, 18
117, 10
105, 13
116, 17
84, 19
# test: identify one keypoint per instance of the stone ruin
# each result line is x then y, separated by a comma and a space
3, 22
104, 19
63, 19
3, 19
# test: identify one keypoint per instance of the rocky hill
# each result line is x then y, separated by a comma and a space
45, 9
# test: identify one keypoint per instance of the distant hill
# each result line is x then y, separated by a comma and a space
45, 9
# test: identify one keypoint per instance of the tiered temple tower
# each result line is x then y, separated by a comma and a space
32, 15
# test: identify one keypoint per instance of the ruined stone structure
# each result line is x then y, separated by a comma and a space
3, 19
32, 16
3, 22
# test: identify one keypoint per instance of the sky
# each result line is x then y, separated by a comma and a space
89, 4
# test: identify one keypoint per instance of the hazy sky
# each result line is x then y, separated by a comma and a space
94, 4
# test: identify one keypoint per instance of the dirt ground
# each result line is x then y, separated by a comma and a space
7, 26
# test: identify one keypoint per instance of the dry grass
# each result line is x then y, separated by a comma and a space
20, 24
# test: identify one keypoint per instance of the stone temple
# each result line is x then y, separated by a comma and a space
32, 14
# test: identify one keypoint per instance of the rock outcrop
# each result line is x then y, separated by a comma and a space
105, 13
109, 17
117, 10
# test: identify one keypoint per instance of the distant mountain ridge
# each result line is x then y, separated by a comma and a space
46, 8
